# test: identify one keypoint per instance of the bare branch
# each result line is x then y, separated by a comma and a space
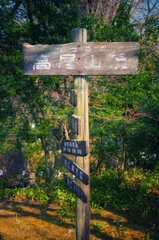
15, 8
136, 7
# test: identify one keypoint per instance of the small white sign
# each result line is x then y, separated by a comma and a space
42, 63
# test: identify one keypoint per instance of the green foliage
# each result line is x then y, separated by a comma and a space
66, 200
136, 194
44, 194
107, 183
117, 130
151, 31
96, 227
108, 191
120, 29
27, 101
44, 24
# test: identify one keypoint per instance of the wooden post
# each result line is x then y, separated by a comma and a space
81, 58
81, 110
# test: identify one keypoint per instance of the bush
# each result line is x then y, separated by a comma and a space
136, 194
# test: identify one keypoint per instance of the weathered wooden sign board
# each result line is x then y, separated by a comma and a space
75, 170
74, 187
92, 58
74, 147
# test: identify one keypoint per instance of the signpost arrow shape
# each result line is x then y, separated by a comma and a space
75, 170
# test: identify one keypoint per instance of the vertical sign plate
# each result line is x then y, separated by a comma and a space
75, 170
74, 123
74, 187
73, 98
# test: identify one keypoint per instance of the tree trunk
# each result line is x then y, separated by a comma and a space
47, 159
57, 164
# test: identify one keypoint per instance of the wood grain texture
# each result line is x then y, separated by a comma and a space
81, 89
93, 58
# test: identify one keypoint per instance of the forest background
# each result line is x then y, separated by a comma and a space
123, 110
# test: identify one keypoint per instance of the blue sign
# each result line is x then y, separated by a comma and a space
74, 187
74, 147
75, 170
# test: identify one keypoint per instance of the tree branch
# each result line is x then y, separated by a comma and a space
15, 8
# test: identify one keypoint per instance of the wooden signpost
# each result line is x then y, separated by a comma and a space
80, 58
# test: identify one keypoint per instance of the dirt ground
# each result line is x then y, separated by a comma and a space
28, 221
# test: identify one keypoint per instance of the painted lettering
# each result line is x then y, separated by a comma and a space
81, 175
88, 49
42, 63
67, 61
102, 49
58, 49
124, 67
73, 49
67, 57
120, 57
93, 63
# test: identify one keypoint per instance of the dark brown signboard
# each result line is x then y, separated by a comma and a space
74, 187
73, 98
92, 58
74, 123
74, 147
75, 170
